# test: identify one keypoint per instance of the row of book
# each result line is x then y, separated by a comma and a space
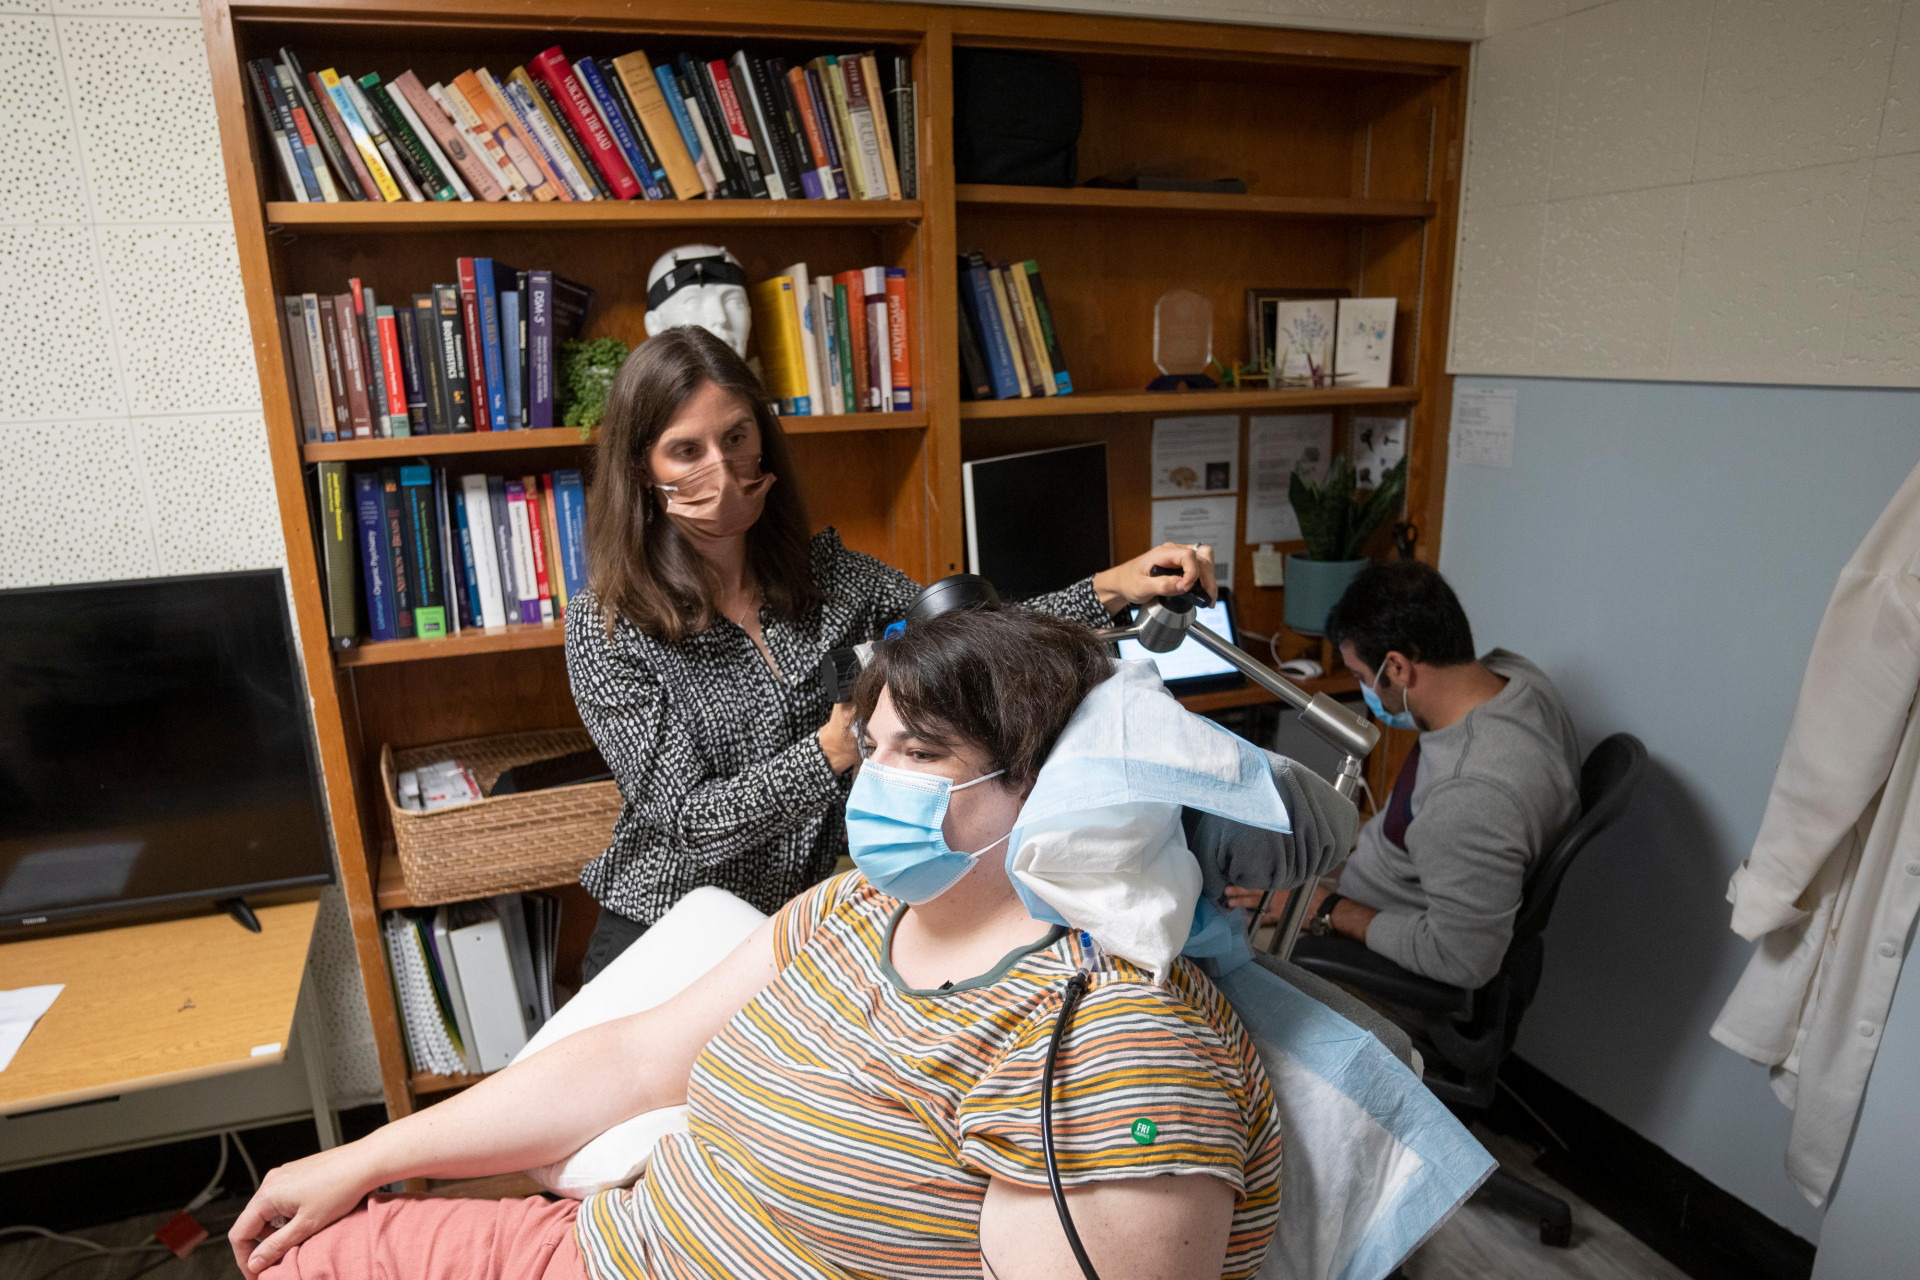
596, 129
473, 980
1009, 346
477, 355
410, 552
834, 344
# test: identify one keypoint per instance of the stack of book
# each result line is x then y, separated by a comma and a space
474, 979
597, 129
1008, 345
834, 344
476, 355
411, 553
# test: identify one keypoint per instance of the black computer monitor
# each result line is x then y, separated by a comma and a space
156, 751
1038, 521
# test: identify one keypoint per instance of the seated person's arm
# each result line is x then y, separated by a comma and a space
1470, 845
1166, 1228
530, 1114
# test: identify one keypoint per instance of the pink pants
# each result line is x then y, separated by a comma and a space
413, 1238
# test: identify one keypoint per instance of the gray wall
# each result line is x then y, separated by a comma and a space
1665, 552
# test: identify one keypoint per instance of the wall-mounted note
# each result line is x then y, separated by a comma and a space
1483, 420
1276, 444
1196, 455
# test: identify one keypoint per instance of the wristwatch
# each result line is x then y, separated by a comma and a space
1321, 923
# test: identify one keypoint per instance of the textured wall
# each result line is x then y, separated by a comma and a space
1440, 19
131, 439
1702, 190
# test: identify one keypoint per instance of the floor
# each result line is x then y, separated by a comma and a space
1487, 1242
1481, 1242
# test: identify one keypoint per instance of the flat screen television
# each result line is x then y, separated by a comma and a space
156, 750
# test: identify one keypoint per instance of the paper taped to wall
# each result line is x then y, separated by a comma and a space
1202, 521
1483, 420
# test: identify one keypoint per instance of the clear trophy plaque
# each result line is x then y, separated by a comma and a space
1182, 340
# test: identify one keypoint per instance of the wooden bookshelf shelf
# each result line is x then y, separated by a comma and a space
543, 635
425, 1082
575, 437
520, 215
1107, 200
1223, 401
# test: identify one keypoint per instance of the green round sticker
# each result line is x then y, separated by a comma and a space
1145, 1131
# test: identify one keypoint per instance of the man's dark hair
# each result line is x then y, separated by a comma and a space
1406, 607
1004, 681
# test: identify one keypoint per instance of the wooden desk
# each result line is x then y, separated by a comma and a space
154, 1004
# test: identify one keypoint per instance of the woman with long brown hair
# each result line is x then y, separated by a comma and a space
693, 654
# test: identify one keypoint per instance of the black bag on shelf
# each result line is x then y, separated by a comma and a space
1016, 118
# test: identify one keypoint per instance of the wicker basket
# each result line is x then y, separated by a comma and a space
506, 844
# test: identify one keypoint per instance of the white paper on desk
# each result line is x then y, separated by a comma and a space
1483, 425
1196, 455
1276, 444
19, 1010
1208, 521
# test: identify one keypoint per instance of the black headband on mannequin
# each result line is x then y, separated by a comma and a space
709, 270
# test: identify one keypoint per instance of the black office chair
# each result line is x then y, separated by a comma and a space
1471, 1032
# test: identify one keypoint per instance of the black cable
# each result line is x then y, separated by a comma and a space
1076, 987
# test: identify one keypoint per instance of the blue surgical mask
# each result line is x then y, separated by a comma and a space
1392, 719
893, 831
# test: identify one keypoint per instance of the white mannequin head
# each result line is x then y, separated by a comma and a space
718, 306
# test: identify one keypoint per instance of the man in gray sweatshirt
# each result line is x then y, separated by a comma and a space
1436, 877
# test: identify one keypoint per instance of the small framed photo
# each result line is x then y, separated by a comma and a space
1271, 313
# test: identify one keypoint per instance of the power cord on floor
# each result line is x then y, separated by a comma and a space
95, 1249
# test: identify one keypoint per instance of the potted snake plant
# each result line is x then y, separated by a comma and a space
1336, 522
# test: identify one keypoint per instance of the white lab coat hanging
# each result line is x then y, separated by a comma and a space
1833, 882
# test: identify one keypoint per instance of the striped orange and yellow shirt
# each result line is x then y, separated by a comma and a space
843, 1125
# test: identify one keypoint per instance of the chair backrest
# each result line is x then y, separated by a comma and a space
1607, 778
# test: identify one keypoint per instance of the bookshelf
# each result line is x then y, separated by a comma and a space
1349, 144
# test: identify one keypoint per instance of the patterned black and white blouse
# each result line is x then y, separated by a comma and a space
717, 757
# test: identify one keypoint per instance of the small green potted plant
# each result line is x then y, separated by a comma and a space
1336, 524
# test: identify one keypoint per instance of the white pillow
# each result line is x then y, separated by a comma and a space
691, 938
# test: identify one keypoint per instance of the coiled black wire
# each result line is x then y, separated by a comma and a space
1076, 987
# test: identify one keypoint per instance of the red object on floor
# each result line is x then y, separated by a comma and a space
181, 1234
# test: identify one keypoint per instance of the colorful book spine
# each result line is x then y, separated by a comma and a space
480, 176
829, 334
338, 513
550, 541
833, 84
503, 547
1003, 316
879, 362
366, 329
481, 93
734, 123
776, 321
523, 577
849, 305
486, 297
428, 142
323, 374
993, 338
710, 122
376, 571
588, 73
1038, 378
451, 333
346, 186
753, 112
413, 157
492, 607
479, 138
510, 362
898, 351
864, 99
357, 129
426, 344
570, 504
414, 374
471, 607
425, 567
649, 152
293, 340
686, 119
345, 346
591, 185
540, 349
552, 68
799, 147
276, 134
396, 374
802, 298
376, 127
283, 105
472, 326
661, 119
349, 149
543, 137
536, 539
393, 525
1048, 330
822, 111
449, 545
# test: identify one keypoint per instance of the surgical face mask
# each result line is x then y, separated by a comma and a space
720, 500
893, 831
1392, 719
